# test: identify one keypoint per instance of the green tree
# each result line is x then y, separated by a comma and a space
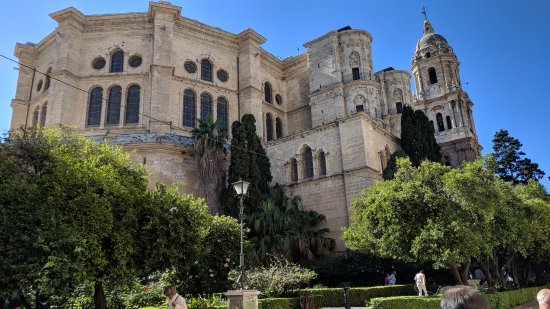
248, 162
391, 167
209, 139
511, 164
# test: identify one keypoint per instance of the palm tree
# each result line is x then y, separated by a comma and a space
209, 139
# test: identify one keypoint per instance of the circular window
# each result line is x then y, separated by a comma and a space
190, 67
222, 75
279, 99
135, 61
39, 86
99, 63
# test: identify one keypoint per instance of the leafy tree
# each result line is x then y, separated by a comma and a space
248, 162
282, 226
511, 164
417, 137
391, 167
209, 139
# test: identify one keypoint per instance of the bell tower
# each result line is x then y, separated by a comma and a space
440, 96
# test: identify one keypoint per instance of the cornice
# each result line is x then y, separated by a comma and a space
198, 82
251, 35
291, 62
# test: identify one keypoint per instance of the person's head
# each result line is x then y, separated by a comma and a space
394, 272
169, 291
462, 297
421, 271
543, 297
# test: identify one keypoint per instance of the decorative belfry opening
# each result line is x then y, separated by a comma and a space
355, 64
359, 101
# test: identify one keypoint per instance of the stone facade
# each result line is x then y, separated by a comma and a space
329, 122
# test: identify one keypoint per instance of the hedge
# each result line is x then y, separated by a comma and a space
279, 303
409, 302
334, 297
498, 300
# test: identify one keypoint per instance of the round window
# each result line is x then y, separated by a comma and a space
190, 67
135, 61
222, 75
99, 63
279, 99
39, 86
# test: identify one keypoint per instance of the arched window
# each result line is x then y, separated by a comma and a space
117, 61
399, 107
113, 105
278, 127
132, 104
447, 161
48, 79
267, 92
433, 76
43, 115
293, 170
94, 106
449, 123
206, 70
308, 163
206, 105
189, 111
268, 127
322, 164
222, 112
440, 125
35, 116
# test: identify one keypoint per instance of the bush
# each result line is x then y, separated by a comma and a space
280, 279
334, 297
410, 302
513, 298
279, 303
209, 302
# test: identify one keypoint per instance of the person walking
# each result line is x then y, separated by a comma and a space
387, 279
420, 280
392, 279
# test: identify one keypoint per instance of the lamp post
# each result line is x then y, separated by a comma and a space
241, 188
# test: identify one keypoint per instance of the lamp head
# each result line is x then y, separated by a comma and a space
241, 187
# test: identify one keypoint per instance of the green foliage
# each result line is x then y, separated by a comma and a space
278, 279
279, 303
206, 302
282, 226
511, 164
510, 299
334, 297
248, 162
391, 167
412, 302
417, 137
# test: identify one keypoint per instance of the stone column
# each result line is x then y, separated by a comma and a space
242, 299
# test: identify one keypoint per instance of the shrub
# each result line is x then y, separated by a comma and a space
334, 297
513, 298
208, 302
281, 278
279, 303
410, 302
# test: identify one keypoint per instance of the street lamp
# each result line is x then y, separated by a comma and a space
241, 188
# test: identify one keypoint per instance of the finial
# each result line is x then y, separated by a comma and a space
428, 29
424, 12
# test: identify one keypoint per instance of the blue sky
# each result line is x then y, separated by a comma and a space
503, 46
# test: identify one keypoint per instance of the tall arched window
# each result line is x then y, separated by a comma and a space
322, 164
206, 105
94, 106
267, 92
268, 127
440, 125
189, 110
43, 115
117, 61
433, 75
222, 113
48, 79
278, 127
293, 170
308, 163
35, 116
449, 123
113, 105
206, 70
132, 104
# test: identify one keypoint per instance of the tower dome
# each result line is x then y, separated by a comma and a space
431, 43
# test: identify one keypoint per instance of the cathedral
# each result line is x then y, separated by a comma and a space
329, 122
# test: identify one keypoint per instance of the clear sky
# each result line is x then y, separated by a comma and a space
503, 46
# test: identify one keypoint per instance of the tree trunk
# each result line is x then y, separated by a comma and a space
454, 271
99, 297
466, 272
487, 271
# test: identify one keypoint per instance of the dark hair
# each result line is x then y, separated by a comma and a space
462, 297
14, 303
